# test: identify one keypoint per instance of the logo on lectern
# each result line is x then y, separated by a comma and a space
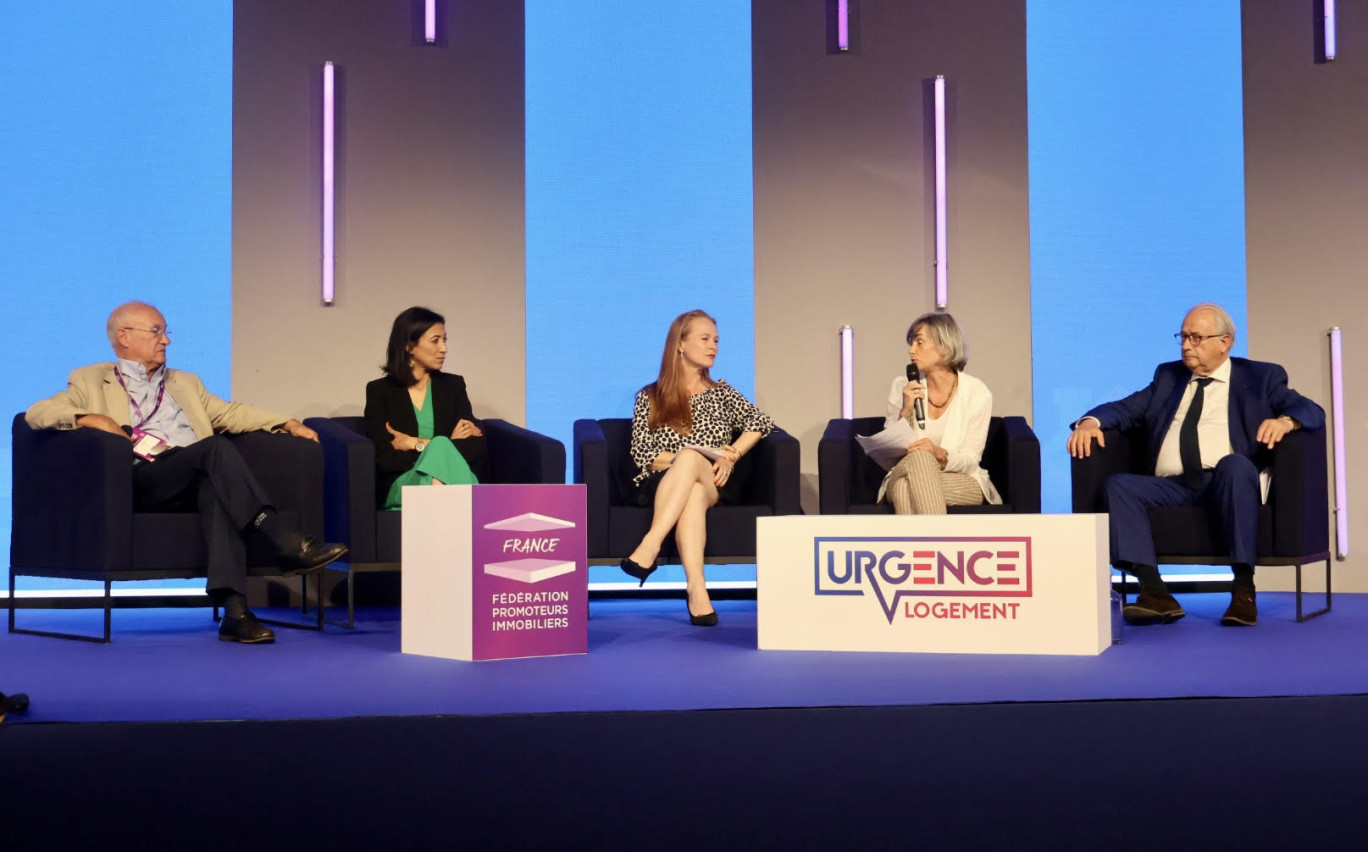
528, 568
899, 567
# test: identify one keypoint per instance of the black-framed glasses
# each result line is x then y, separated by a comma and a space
1193, 337
155, 331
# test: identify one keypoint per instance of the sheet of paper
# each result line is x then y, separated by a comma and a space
888, 447
710, 452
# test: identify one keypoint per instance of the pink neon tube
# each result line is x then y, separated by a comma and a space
329, 248
847, 372
1341, 466
942, 253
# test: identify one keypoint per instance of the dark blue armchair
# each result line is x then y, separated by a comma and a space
516, 455
848, 480
603, 463
1294, 526
73, 512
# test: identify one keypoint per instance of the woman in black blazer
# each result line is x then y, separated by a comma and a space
418, 417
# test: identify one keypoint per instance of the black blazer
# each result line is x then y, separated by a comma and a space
387, 401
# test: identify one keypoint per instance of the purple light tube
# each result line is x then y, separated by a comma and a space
1329, 30
329, 248
430, 21
843, 24
847, 372
942, 259
1337, 417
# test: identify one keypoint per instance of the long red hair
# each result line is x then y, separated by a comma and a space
669, 393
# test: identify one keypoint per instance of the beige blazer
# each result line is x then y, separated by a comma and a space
94, 390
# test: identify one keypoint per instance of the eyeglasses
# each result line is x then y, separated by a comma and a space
1193, 337
155, 331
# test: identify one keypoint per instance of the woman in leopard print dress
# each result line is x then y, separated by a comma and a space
690, 434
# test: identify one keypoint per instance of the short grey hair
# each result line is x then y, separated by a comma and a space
118, 319
945, 333
1224, 324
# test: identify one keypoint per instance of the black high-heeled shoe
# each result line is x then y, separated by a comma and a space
708, 619
631, 569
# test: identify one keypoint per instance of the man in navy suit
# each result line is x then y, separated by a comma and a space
1208, 417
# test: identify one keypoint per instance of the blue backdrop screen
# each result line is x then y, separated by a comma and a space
639, 199
115, 132
1137, 197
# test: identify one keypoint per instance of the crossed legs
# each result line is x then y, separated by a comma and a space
917, 486
682, 500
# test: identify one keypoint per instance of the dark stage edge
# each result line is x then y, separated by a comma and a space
347, 741
1253, 773
167, 665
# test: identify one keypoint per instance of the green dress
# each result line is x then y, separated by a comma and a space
439, 460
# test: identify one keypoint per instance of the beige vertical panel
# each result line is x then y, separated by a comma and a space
1306, 196
844, 214
430, 197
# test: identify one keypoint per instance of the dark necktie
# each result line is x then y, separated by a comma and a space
1188, 449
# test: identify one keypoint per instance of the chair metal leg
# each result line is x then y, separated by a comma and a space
321, 603
351, 598
1323, 610
53, 634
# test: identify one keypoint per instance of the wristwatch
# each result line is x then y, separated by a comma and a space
420, 446
1291, 420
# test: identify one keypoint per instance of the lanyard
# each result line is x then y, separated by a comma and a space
161, 391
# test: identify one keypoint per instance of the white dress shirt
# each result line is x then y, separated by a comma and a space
1213, 429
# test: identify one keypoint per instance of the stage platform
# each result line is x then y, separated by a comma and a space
674, 736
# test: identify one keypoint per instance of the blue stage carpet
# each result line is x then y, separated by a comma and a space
167, 665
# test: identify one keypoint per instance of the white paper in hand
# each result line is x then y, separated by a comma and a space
712, 453
888, 447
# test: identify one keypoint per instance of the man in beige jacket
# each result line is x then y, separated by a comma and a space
179, 455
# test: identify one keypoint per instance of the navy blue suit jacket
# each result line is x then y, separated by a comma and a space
1258, 392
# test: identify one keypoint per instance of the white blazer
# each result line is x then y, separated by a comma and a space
966, 430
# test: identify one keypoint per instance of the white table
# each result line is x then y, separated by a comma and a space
960, 584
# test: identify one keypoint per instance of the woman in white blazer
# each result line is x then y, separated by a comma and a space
941, 467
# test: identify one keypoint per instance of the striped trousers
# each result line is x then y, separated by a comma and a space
917, 486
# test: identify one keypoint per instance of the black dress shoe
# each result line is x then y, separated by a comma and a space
1152, 608
16, 703
310, 556
1242, 611
636, 572
245, 629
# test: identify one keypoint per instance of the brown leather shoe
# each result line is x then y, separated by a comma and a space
1242, 611
1152, 608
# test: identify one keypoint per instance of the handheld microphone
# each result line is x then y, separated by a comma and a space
918, 405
